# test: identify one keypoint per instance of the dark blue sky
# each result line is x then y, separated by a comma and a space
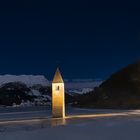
86, 39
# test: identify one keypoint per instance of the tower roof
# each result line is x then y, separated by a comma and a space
57, 77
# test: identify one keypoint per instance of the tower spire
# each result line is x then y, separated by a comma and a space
57, 77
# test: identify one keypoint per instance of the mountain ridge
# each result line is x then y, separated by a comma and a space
29, 80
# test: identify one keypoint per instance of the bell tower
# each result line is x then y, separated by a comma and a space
58, 96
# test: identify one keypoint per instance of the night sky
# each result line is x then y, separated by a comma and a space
85, 39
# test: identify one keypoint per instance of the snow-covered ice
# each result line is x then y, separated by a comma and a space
119, 127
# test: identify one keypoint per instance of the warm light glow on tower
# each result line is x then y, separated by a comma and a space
58, 96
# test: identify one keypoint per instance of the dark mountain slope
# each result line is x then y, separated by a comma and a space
121, 90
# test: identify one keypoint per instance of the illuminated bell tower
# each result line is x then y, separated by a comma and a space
58, 96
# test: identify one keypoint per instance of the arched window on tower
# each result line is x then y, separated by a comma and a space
57, 88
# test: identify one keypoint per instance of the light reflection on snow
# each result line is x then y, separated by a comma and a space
48, 121
57, 122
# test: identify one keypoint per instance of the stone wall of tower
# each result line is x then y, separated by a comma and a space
58, 100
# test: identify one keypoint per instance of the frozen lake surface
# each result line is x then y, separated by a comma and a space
35, 123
